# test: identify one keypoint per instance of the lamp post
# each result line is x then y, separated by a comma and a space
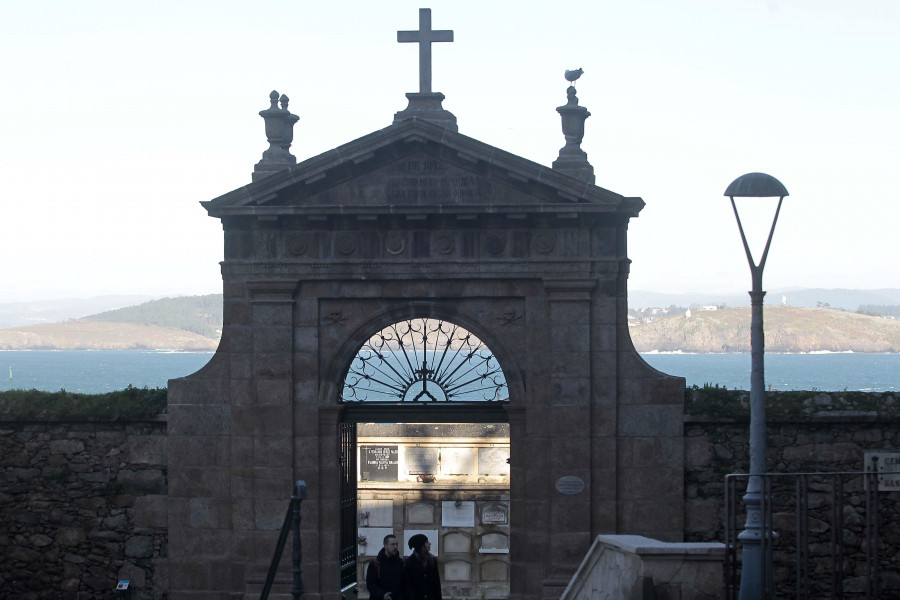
757, 579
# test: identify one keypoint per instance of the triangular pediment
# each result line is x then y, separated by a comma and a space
416, 166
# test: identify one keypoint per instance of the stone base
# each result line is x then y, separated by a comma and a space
428, 107
575, 165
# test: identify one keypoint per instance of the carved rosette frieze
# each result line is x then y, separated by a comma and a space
443, 244
395, 243
297, 244
544, 243
345, 244
494, 243
383, 243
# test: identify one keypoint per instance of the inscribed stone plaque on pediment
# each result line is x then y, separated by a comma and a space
457, 461
420, 513
457, 570
421, 461
457, 542
378, 463
458, 513
419, 180
493, 461
376, 513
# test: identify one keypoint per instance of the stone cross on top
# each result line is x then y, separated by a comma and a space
424, 37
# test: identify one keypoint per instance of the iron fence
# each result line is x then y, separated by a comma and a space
829, 535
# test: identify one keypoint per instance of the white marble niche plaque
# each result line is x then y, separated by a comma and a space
457, 461
493, 461
376, 513
455, 513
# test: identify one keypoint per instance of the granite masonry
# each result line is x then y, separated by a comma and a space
84, 504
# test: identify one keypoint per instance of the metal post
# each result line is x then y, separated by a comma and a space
296, 566
757, 574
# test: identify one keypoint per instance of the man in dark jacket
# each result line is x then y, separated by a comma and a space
386, 575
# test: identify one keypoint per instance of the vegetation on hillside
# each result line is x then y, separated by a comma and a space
130, 404
787, 329
879, 310
101, 335
720, 402
199, 314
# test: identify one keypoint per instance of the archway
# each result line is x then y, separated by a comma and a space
424, 427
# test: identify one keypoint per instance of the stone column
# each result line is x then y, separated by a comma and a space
569, 428
262, 427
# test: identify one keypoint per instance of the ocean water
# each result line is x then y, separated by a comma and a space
103, 371
95, 372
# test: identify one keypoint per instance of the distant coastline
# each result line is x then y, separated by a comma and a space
194, 324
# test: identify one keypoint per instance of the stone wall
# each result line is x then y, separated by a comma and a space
82, 506
808, 432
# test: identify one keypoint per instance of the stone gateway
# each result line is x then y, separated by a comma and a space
418, 221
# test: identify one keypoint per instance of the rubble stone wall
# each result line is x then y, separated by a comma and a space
807, 432
82, 506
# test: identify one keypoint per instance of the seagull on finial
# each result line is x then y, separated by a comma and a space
571, 76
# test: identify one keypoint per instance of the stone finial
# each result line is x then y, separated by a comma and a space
572, 159
280, 135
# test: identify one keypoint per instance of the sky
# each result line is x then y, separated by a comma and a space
118, 117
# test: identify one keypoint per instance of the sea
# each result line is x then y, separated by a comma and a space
94, 372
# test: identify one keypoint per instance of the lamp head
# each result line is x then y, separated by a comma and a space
756, 185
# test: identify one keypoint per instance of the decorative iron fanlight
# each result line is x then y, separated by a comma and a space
424, 360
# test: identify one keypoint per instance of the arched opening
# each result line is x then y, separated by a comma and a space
424, 360
424, 401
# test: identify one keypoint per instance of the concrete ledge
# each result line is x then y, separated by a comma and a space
644, 546
633, 567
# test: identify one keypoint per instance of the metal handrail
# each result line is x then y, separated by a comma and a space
291, 522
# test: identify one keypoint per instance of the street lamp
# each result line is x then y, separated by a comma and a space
757, 579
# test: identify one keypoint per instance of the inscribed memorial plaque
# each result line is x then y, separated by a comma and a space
421, 461
492, 461
458, 514
570, 485
378, 463
457, 461
494, 514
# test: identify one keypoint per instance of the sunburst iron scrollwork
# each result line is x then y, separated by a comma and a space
424, 360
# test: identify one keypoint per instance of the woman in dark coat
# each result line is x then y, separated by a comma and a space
422, 570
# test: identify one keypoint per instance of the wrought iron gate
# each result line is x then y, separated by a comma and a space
348, 547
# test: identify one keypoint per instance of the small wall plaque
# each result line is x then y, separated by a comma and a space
570, 485
458, 514
887, 466
494, 514
378, 463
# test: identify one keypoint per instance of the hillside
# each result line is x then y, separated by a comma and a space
85, 335
191, 323
199, 314
787, 329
